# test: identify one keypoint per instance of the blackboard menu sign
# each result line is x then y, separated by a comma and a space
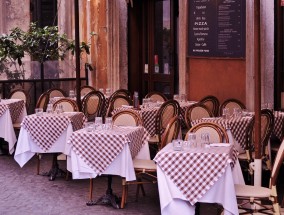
217, 28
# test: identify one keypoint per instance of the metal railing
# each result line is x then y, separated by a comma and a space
34, 88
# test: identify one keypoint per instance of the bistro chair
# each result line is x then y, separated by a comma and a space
254, 195
168, 109
121, 92
217, 133
68, 105
42, 101
146, 169
127, 118
84, 90
231, 104
93, 104
267, 125
56, 92
156, 96
20, 94
212, 104
116, 102
196, 111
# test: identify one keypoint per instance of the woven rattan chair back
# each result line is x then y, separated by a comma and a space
93, 104
196, 111
116, 102
68, 105
21, 94
84, 90
156, 96
42, 101
56, 93
212, 104
171, 132
121, 92
127, 118
168, 110
231, 104
267, 126
216, 132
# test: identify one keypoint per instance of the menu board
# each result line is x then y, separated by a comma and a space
217, 28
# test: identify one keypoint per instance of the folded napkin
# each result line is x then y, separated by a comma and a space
220, 144
127, 106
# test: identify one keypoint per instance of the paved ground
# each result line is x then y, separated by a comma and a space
22, 192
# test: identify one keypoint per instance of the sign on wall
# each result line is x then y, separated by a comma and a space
217, 28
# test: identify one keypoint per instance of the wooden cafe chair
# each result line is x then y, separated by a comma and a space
93, 104
212, 103
231, 104
167, 110
249, 195
116, 102
69, 105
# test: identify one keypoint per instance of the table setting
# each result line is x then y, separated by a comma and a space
105, 149
46, 133
197, 173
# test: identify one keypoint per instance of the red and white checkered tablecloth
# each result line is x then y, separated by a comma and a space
99, 148
15, 107
46, 129
238, 126
279, 124
195, 171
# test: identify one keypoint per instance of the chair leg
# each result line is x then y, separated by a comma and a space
67, 175
91, 190
38, 164
124, 193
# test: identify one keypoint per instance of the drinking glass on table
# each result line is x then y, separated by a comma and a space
98, 123
49, 109
108, 92
38, 111
237, 112
71, 93
191, 140
176, 97
225, 113
108, 123
204, 140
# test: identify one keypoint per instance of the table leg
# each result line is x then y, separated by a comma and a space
55, 170
108, 199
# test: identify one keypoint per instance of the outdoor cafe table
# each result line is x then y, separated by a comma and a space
148, 114
236, 128
198, 175
47, 133
11, 111
109, 152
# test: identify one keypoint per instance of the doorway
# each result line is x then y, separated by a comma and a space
152, 42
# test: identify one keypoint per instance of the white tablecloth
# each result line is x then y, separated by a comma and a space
7, 130
122, 164
27, 148
222, 192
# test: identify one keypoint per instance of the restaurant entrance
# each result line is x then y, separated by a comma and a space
152, 53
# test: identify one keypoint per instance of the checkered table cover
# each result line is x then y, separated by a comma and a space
99, 148
195, 171
46, 129
238, 126
279, 124
15, 107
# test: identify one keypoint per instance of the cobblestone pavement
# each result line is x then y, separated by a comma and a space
22, 192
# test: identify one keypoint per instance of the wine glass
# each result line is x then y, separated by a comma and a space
98, 123
204, 140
